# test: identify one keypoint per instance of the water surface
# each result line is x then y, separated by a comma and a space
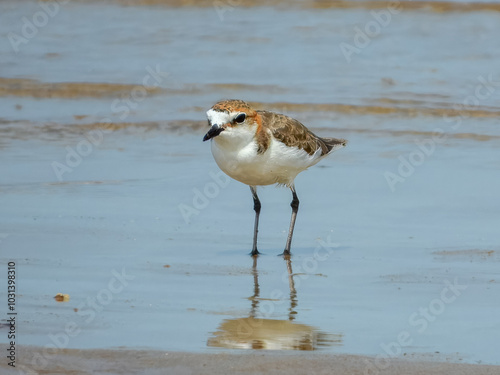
104, 176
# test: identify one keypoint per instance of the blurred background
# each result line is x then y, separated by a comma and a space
103, 172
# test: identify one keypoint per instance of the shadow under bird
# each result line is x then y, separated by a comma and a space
261, 148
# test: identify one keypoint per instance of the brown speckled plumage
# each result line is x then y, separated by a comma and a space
283, 128
294, 134
232, 105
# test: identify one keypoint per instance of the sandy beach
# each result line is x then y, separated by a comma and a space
130, 248
117, 362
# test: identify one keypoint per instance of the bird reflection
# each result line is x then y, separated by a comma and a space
256, 332
293, 292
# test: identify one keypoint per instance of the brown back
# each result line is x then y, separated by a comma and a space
293, 133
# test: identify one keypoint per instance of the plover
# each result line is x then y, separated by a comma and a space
261, 148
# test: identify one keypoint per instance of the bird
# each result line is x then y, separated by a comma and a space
259, 148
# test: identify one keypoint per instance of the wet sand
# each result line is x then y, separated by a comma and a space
43, 90
435, 6
117, 362
121, 224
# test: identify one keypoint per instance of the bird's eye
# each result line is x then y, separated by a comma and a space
240, 118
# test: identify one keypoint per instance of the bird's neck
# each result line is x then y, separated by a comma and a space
236, 138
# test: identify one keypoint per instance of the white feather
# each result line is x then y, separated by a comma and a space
235, 151
220, 118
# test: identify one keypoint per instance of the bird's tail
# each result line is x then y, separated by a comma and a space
333, 144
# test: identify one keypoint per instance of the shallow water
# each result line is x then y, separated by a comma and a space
372, 265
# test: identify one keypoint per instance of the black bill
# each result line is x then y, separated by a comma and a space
214, 131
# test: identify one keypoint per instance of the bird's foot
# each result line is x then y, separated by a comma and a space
285, 253
255, 253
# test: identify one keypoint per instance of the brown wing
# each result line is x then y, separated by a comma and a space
293, 133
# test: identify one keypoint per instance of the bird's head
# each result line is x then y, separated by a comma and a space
230, 117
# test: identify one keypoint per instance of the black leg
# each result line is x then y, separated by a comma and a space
295, 209
256, 207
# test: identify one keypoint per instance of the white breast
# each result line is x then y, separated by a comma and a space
235, 151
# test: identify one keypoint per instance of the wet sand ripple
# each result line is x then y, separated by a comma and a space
434, 6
